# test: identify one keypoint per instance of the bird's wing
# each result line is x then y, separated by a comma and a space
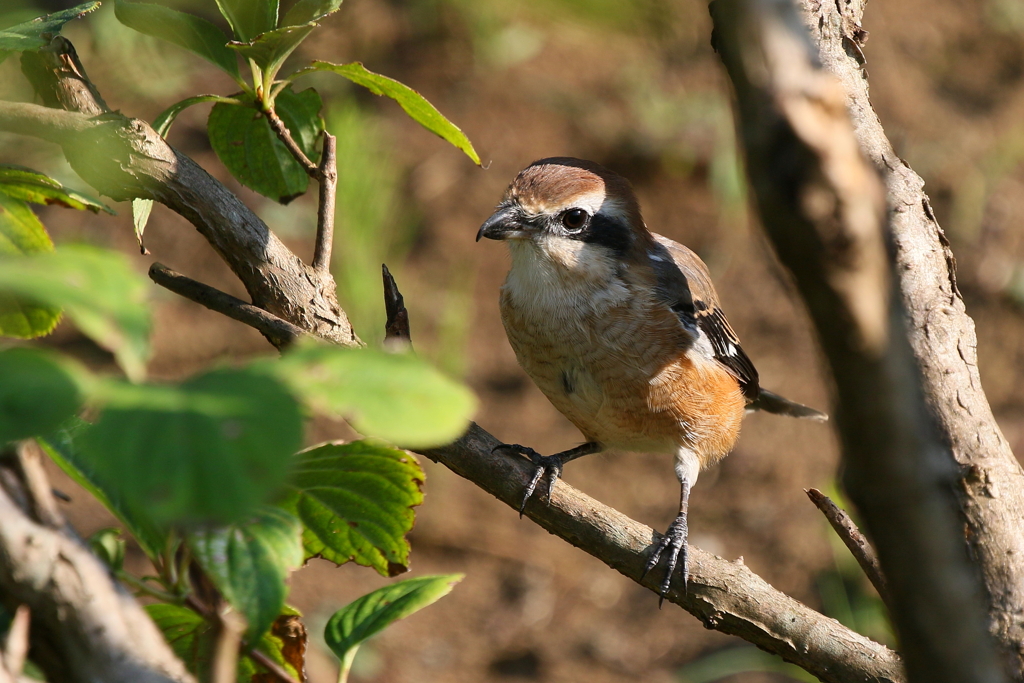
684, 284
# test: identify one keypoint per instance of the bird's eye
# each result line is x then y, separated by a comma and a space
574, 219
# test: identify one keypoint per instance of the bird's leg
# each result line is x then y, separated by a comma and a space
675, 542
546, 464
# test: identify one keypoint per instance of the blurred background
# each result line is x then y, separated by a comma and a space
635, 86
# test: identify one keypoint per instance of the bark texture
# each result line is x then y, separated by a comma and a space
823, 206
85, 626
989, 482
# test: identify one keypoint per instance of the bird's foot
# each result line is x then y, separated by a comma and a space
549, 465
674, 541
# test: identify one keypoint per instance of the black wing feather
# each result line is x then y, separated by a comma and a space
726, 346
694, 313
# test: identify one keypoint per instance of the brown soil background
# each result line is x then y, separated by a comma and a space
634, 86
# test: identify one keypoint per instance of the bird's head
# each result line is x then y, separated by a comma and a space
570, 211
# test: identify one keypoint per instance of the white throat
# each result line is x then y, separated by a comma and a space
552, 274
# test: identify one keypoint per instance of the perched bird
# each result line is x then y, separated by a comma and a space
622, 330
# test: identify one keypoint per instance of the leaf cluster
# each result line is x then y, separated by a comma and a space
206, 474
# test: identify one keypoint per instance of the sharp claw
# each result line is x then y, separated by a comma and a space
537, 474
675, 542
553, 475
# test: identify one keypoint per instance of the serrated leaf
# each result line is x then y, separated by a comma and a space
193, 33
270, 49
370, 614
250, 561
249, 18
38, 391
193, 639
397, 397
62, 447
21, 233
309, 10
98, 290
30, 186
30, 35
212, 448
355, 501
246, 145
414, 104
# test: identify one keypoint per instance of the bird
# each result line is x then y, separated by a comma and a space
622, 330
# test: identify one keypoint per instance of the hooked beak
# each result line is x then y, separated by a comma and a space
503, 224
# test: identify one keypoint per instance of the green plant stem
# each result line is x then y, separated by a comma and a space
346, 664
141, 586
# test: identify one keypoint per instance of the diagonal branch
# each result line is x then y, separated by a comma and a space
85, 626
725, 596
285, 136
279, 332
851, 537
126, 159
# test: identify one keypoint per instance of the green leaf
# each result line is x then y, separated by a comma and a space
32, 35
63, 449
397, 397
370, 614
250, 561
270, 49
193, 640
355, 501
97, 288
414, 104
21, 233
30, 186
212, 448
309, 10
38, 391
141, 208
108, 545
249, 18
185, 30
245, 143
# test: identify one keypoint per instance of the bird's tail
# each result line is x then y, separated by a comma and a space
773, 403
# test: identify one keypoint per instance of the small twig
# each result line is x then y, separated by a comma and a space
44, 505
225, 656
327, 175
16, 645
852, 537
271, 666
396, 329
256, 655
285, 136
141, 586
278, 331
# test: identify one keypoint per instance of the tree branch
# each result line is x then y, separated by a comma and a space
851, 537
327, 176
989, 481
86, 626
822, 205
279, 332
725, 596
126, 159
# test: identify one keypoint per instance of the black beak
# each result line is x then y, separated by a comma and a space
499, 225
